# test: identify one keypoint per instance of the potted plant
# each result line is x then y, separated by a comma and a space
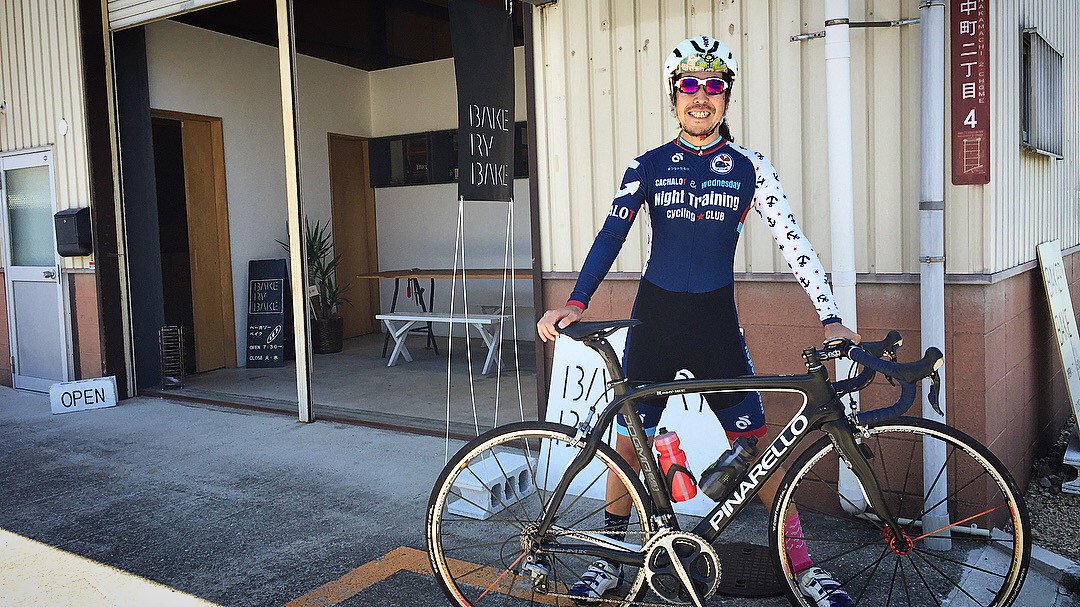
326, 323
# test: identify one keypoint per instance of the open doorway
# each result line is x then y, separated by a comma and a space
193, 227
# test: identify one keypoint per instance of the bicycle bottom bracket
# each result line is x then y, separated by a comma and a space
663, 555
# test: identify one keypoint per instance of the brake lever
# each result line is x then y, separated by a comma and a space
934, 395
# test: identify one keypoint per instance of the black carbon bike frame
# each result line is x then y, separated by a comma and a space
822, 410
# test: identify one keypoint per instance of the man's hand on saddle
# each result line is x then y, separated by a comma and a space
838, 330
562, 317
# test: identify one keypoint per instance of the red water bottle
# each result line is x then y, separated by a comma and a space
673, 463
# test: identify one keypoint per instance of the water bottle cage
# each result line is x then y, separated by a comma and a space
672, 470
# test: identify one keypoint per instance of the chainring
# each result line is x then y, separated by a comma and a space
697, 558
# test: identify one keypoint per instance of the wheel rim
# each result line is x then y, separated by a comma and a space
982, 561
485, 552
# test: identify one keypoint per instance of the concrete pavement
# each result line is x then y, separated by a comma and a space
184, 504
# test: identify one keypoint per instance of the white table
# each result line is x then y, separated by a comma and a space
399, 323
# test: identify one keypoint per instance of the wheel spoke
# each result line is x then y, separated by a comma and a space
904, 581
960, 522
881, 558
926, 584
892, 582
926, 553
946, 576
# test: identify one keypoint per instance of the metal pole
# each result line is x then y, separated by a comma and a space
932, 245
297, 253
841, 196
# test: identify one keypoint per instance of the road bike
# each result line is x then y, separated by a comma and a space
517, 514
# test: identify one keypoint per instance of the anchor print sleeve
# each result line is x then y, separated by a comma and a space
624, 208
772, 205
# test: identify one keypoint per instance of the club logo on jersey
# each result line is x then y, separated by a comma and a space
743, 422
722, 164
677, 157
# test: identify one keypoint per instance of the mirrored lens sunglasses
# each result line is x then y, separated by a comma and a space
713, 86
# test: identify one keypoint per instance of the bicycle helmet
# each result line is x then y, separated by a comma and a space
698, 54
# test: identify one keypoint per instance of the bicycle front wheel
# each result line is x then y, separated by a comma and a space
482, 518
966, 540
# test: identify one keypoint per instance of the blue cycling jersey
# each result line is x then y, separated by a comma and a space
694, 203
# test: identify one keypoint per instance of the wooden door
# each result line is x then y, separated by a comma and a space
208, 241
352, 204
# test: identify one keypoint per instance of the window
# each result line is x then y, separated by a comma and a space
1041, 103
431, 158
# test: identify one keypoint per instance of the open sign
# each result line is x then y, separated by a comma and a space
84, 394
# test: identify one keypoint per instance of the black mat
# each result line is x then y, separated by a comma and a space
747, 571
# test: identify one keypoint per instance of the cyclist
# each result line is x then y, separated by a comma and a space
694, 193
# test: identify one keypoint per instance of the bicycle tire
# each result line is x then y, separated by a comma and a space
474, 558
984, 563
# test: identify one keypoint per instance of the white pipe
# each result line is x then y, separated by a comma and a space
297, 251
841, 196
932, 245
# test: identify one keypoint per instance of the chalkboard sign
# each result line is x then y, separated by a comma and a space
268, 294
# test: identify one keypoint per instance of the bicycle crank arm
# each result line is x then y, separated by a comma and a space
684, 577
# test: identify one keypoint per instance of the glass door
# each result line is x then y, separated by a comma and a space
35, 307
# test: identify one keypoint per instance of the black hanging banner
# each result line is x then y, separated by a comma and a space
483, 40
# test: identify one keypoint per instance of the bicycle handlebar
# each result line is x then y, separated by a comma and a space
908, 374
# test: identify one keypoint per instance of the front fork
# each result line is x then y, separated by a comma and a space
843, 439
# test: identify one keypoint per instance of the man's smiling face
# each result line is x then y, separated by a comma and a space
699, 113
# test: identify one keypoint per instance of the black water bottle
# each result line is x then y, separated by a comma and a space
720, 478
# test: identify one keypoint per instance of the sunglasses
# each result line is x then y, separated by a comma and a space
713, 86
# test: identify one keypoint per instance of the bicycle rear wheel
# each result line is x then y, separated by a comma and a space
483, 511
969, 544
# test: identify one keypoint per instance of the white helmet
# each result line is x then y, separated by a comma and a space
698, 54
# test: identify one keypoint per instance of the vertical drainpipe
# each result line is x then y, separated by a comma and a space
932, 243
297, 252
841, 205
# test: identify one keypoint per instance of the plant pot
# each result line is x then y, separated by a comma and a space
326, 335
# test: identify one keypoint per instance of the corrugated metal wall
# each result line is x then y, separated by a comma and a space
1032, 197
41, 80
600, 103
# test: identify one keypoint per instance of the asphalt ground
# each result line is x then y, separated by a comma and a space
155, 502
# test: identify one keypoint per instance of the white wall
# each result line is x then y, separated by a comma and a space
201, 72
401, 103
418, 229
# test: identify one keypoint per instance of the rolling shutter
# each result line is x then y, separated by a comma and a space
129, 13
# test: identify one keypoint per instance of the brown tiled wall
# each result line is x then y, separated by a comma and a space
1004, 381
85, 318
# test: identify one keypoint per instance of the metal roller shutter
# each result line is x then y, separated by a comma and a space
129, 13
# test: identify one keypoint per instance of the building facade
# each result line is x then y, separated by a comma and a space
600, 103
73, 71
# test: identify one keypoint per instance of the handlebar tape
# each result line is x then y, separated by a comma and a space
906, 373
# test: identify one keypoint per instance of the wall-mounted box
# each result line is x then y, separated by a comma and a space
73, 236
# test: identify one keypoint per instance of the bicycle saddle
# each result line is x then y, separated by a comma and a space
599, 329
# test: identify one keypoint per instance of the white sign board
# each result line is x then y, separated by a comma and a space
578, 377
1057, 295
96, 393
